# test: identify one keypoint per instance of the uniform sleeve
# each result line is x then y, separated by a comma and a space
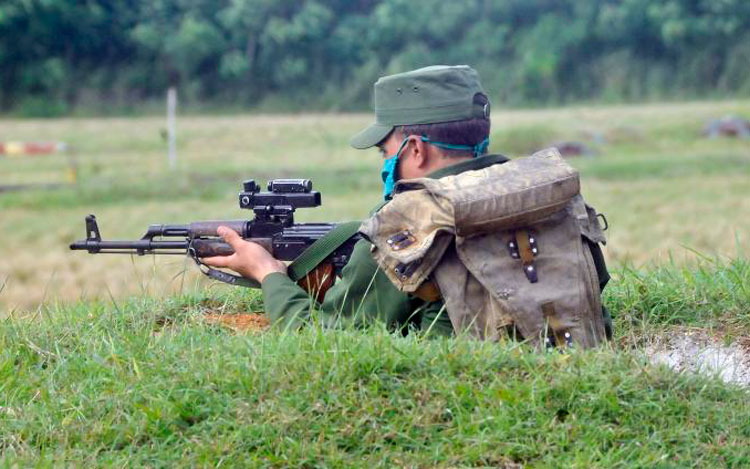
361, 295
434, 320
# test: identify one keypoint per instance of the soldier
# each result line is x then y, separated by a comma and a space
431, 122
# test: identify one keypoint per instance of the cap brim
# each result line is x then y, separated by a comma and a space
370, 136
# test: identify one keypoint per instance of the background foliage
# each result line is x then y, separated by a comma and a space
112, 56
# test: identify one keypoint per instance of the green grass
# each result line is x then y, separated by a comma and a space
107, 360
712, 295
147, 382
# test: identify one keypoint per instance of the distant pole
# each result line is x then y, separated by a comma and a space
171, 126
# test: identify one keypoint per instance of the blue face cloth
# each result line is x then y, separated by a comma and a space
390, 165
388, 173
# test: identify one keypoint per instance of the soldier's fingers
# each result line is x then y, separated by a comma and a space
217, 261
230, 236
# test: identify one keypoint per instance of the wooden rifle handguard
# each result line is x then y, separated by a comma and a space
318, 281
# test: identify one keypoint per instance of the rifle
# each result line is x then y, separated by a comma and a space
318, 250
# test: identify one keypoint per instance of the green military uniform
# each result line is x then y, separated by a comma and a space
364, 293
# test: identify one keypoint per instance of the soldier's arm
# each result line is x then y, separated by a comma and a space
363, 294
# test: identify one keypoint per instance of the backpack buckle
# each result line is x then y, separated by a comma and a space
523, 245
604, 220
404, 271
401, 240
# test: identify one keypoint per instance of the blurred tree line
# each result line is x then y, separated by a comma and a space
111, 55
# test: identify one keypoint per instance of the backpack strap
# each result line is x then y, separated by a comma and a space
318, 251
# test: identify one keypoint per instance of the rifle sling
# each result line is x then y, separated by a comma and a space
225, 277
318, 251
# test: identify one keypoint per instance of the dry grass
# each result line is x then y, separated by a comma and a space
662, 186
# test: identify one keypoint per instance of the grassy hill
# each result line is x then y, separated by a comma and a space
148, 382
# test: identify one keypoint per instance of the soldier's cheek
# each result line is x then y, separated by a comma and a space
406, 169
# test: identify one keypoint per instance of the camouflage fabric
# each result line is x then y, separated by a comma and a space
426, 214
504, 245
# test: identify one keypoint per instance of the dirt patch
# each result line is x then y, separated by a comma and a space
240, 322
698, 352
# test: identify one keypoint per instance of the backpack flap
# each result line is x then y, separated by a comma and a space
560, 304
503, 196
409, 236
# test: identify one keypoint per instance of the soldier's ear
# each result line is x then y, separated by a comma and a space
420, 152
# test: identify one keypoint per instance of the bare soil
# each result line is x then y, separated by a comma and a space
240, 322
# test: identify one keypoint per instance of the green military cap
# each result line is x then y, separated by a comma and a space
429, 95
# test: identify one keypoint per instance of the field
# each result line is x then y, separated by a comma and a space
665, 190
107, 360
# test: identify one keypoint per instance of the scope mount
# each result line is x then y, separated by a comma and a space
278, 204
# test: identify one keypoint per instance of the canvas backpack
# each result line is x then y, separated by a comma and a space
506, 247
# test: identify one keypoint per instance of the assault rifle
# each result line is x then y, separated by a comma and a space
272, 227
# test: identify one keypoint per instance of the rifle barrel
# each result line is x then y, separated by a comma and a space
141, 246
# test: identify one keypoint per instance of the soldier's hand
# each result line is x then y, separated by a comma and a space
250, 259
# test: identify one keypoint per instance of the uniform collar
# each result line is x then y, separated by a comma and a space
473, 164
